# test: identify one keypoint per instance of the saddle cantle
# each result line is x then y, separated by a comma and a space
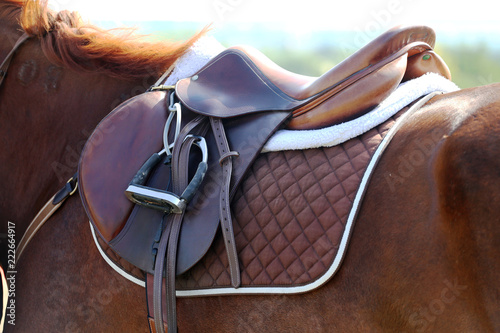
247, 98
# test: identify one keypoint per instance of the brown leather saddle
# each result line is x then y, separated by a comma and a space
182, 191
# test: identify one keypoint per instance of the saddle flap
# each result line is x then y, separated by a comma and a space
231, 85
114, 152
119, 146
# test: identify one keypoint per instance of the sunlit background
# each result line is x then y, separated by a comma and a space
311, 36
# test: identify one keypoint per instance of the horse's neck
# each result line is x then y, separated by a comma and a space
46, 114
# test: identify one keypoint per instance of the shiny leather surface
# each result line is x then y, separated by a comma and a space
301, 87
241, 80
354, 100
426, 62
113, 154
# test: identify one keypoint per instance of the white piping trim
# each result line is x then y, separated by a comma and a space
118, 269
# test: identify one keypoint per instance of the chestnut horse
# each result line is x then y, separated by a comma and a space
424, 254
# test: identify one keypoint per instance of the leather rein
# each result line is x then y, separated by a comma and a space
58, 199
6, 63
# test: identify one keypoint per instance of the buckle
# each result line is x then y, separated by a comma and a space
162, 200
68, 190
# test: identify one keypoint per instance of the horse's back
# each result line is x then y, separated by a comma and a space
439, 180
467, 173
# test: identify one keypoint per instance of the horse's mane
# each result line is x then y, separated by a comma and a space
67, 40
10, 8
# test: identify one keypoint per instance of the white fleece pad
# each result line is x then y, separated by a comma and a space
406, 93
194, 59
208, 47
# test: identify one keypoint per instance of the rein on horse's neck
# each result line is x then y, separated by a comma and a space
58, 199
6, 62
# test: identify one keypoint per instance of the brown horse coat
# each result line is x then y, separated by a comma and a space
424, 255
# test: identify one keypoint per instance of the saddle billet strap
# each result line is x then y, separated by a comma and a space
225, 209
167, 248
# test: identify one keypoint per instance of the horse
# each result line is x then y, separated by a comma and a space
423, 255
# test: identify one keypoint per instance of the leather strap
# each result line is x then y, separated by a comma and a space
170, 237
179, 182
158, 278
46, 212
43, 215
170, 276
5, 64
226, 162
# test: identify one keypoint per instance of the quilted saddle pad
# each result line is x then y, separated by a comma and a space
292, 216
291, 219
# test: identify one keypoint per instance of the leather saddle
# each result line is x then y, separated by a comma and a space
173, 204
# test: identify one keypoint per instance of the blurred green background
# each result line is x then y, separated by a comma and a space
311, 37
473, 57
473, 60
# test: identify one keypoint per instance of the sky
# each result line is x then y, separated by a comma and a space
298, 16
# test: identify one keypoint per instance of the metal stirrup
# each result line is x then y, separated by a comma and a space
165, 200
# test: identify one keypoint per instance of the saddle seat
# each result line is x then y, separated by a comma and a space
252, 74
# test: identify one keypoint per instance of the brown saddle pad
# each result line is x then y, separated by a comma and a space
290, 216
291, 212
